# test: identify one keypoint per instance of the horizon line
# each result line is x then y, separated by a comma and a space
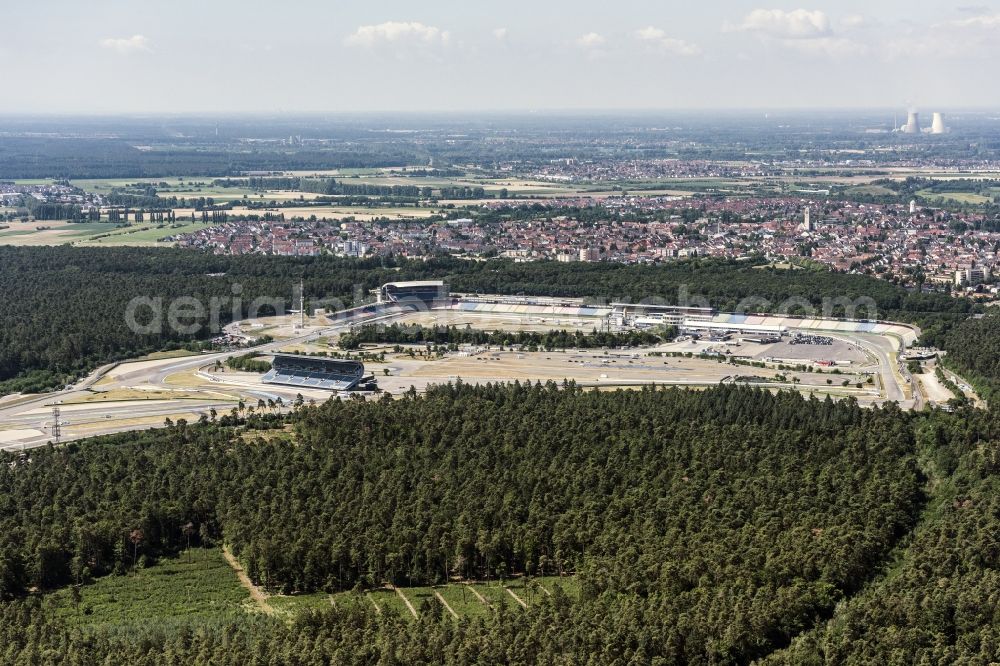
519, 111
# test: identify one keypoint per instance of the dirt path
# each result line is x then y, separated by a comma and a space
516, 598
372, 599
413, 611
480, 597
257, 594
445, 604
933, 389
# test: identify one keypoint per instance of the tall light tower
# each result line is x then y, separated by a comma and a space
56, 427
302, 304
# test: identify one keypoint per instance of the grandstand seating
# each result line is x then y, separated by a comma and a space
313, 372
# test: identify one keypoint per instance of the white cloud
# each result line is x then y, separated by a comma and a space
658, 38
827, 46
650, 34
126, 44
796, 24
803, 31
973, 37
854, 21
412, 32
986, 21
500, 34
591, 40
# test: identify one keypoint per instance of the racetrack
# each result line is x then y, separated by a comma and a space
137, 395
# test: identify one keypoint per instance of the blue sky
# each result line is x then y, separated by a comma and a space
329, 56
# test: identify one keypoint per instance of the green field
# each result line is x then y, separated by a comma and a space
105, 185
293, 604
463, 601
144, 234
201, 587
61, 232
957, 197
174, 592
873, 190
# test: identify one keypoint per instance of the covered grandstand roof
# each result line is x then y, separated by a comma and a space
415, 283
668, 308
733, 326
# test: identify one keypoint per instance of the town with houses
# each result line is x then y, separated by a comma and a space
908, 244
914, 243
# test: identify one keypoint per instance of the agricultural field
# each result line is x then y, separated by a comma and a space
178, 186
362, 213
465, 600
61, 232
200, 586
193, 588
55, 232
145, 234
105, 185
872, 190
955, 197
194, 187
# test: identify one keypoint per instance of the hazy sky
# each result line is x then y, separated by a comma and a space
65, 56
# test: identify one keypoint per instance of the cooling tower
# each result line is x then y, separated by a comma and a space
937, 125
912, 125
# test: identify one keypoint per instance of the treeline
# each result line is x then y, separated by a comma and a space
248, 363
43, 211
31, 157
973, 350
468, 192
145, 198
324, 186
333, 187
453, 335
726, 520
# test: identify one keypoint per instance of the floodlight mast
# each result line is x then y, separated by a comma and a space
56, 429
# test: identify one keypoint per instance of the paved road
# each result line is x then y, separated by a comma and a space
32, 414
86, 419
882, 348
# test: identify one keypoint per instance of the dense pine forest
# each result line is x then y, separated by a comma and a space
721, 526
64, 308
973, 347
937, 603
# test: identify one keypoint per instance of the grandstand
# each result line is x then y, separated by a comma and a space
646, 315
425, 292
316, 372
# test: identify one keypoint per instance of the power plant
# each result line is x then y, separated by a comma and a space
912, 125
937, 124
